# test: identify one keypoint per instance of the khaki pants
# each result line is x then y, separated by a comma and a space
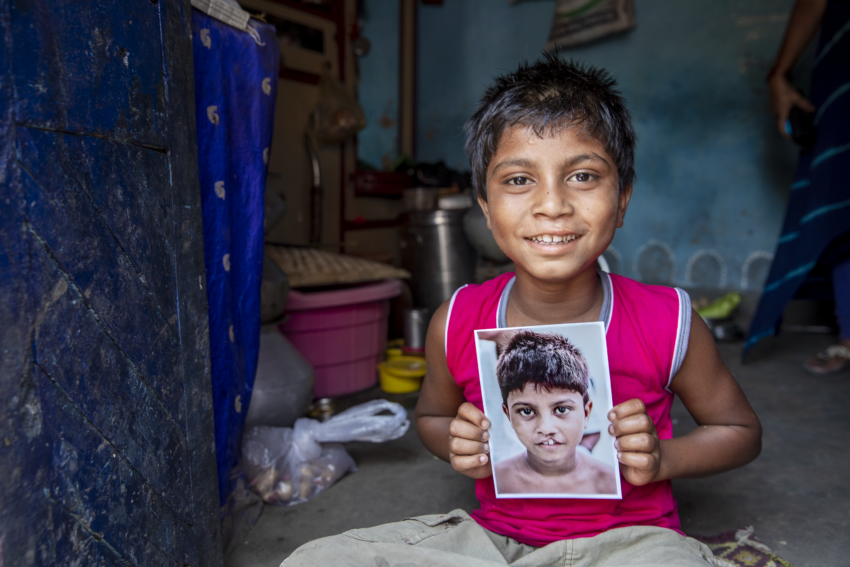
456, 540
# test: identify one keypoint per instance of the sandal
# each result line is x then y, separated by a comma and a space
818, 364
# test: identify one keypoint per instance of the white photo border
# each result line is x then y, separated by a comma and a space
600, 329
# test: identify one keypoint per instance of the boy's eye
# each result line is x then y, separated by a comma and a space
526, 412
518, 181
581, 177
562, 410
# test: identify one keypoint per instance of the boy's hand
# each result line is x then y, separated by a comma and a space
469, 450
636, 440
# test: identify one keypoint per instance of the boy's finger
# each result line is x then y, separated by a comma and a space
626, 409
474, 415
640, 461
460, 446
465, 463
637, 443
467, 430
640, 423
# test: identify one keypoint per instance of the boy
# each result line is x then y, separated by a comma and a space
544, 382
552, 154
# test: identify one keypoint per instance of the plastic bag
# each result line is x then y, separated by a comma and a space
337, 115
289, 466
283, 386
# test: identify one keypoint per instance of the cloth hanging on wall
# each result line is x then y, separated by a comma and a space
816, 231
227, 11
235, 93
580, 21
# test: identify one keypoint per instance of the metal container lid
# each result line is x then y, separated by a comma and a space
432, 218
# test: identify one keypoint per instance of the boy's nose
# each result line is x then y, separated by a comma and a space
546, 425
552, 199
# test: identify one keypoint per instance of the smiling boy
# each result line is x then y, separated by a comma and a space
552, 153
544, 381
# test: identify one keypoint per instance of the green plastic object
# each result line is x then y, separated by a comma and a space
721, 308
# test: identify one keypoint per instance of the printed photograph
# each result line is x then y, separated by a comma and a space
547, 394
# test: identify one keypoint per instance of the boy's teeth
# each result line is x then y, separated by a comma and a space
553, 239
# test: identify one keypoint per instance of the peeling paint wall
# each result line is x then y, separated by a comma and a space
377, 144
106, 421
713, 175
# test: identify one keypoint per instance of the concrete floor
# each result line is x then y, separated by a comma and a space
793, 493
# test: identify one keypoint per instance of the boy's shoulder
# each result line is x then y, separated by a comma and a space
598, 474
511, 474
656, 301
626, 285
486, 287
472, 299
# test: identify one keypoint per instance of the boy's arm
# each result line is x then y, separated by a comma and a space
729, 432
448, 425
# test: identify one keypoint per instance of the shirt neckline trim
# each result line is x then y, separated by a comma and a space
605, 313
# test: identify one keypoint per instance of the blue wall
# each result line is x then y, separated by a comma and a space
378, 142
713, 175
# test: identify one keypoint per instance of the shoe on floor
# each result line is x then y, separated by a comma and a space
834, 359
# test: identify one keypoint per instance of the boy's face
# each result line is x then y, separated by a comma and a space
549, 424
553, 203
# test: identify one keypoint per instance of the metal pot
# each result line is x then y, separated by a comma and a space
436, 253
475, 227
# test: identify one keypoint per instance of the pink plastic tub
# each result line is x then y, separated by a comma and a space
342, 333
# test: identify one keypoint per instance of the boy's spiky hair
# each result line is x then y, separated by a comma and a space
545, 359
548, 96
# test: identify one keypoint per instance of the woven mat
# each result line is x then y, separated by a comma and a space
739, 548
308, 267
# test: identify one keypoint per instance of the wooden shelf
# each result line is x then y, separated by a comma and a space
368, 224
380, 183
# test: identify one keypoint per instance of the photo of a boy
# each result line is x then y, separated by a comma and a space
545, 383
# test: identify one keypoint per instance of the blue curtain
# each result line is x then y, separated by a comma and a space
235, 93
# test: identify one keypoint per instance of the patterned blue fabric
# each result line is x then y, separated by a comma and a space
235, 93
816, 232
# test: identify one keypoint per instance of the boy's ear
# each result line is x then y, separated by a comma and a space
587, 409
505, 409
484, 207
622, 205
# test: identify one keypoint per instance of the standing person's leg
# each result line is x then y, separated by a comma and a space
837, 357
841, 283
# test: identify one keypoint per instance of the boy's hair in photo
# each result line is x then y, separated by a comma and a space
547, 359
549, 96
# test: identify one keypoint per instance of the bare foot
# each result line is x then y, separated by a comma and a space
835, 359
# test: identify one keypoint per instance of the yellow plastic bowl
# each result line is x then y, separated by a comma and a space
402, 375
393, 353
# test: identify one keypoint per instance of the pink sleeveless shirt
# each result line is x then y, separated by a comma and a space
647, 329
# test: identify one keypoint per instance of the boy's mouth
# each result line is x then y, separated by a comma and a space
549, 443
553, 239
